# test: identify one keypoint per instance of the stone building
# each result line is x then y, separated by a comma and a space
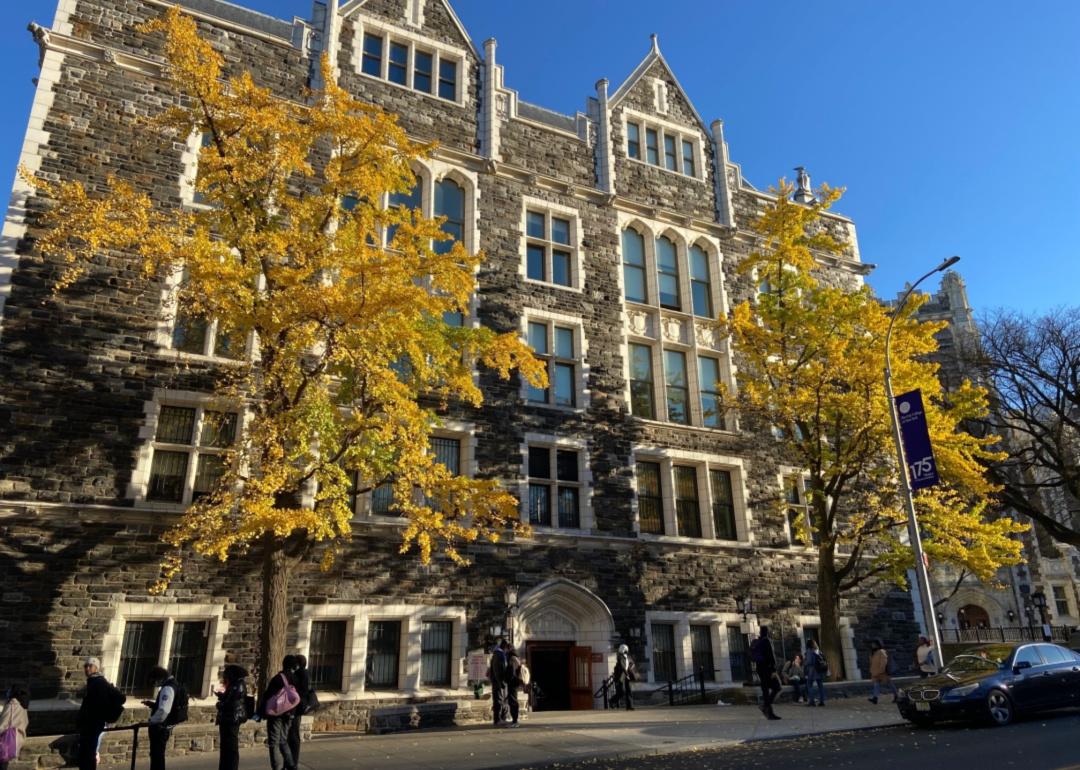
1049, 567
611, 238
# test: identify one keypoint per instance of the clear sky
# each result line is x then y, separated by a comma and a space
953, 124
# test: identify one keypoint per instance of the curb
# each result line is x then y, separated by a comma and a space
668, 750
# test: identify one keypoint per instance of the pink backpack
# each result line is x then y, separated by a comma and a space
283, 701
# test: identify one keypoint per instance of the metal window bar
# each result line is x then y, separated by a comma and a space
701, 649
650, 501
139, 653
187, 656
435, 652
384, 648
327, 664
663, 643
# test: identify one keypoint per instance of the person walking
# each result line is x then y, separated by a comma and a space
793, 675
102, 703
879, 670
761, 653
924, 658
14, 718
274, 709
162, 716
497, 672
513, 682
302, 681
231, 713
625, 674
815, 669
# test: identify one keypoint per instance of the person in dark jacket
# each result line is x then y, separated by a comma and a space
513, 682
623, 676
90, 722
761, 652
497, 672
278, 726
231, 713
301, 680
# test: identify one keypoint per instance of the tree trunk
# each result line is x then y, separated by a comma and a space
275, 617
829, 610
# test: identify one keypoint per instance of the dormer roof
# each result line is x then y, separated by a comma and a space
654, 57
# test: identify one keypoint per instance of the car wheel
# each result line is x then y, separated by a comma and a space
1000, 708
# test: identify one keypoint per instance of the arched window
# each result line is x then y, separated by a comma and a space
700, 282
633, 248
450, 203
667, 268
412, 200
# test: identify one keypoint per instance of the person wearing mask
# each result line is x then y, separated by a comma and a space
625, 673
301, 679
231, 713
279, 725
879, 671
14, 717
161, 715
793, 675
815, 669
98, 704
761, 653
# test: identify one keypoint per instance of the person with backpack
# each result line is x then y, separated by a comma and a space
625, 673
497, 674
513, 682
232, 711
308, 703
102, 704
278, 706
761, 653
879, 671
13, 724
169, 709
815, 669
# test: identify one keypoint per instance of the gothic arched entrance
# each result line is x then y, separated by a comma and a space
972, 616
566, 631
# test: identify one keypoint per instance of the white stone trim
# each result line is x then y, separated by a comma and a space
414, 40
783, 473
576, 246
414, 13
581, 377
681, 133
847, 642
668, 457
718, 623
411, 617
170, 613
62, 20
585, 482
30, 157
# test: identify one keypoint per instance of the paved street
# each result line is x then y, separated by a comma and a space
566, 737
1045, 743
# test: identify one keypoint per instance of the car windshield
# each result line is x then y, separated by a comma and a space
965, 665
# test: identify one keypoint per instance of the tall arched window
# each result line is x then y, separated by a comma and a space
633, 248
700, 282
450, 203
412, 200
667, 269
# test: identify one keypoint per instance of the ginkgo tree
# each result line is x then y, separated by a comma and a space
811, 356
345, 304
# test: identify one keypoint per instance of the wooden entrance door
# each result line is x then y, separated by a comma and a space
581, 694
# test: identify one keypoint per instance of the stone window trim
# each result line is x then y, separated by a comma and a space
717, 622
415, 42
1068, 597
465, 432
189, 161
170, 317
139, 486
434, 171
412, 617
786, 474
664, 128
585, 480
660, 403
576, 246
170, 613
702, 463
581, 347
847, 640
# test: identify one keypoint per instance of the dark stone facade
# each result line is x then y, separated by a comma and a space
79, 368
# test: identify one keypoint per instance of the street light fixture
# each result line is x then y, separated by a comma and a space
511, 596
921, 571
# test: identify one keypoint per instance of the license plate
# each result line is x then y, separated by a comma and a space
922, 706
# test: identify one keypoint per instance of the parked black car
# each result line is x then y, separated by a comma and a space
996, 682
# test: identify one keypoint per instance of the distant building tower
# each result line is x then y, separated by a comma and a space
803, 192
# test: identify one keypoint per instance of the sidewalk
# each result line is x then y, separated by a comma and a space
546, 738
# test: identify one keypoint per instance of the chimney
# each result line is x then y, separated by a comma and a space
803, 192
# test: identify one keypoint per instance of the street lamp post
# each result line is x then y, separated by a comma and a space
921, 572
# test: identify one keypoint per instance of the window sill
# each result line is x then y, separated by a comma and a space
680, 540
670, 312
556, 286
434, 97
556, 407
682, 426
666, 170
203, 358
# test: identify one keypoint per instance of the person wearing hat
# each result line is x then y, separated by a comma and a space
924, 658
90, 721
625, 673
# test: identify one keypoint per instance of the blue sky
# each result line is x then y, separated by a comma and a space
953, 124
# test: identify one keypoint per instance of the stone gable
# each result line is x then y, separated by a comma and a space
438, 23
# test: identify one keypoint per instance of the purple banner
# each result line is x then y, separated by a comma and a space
922, 470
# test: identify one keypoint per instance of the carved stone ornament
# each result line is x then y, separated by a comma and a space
673, 329
638, 321
707, 336
551, 625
